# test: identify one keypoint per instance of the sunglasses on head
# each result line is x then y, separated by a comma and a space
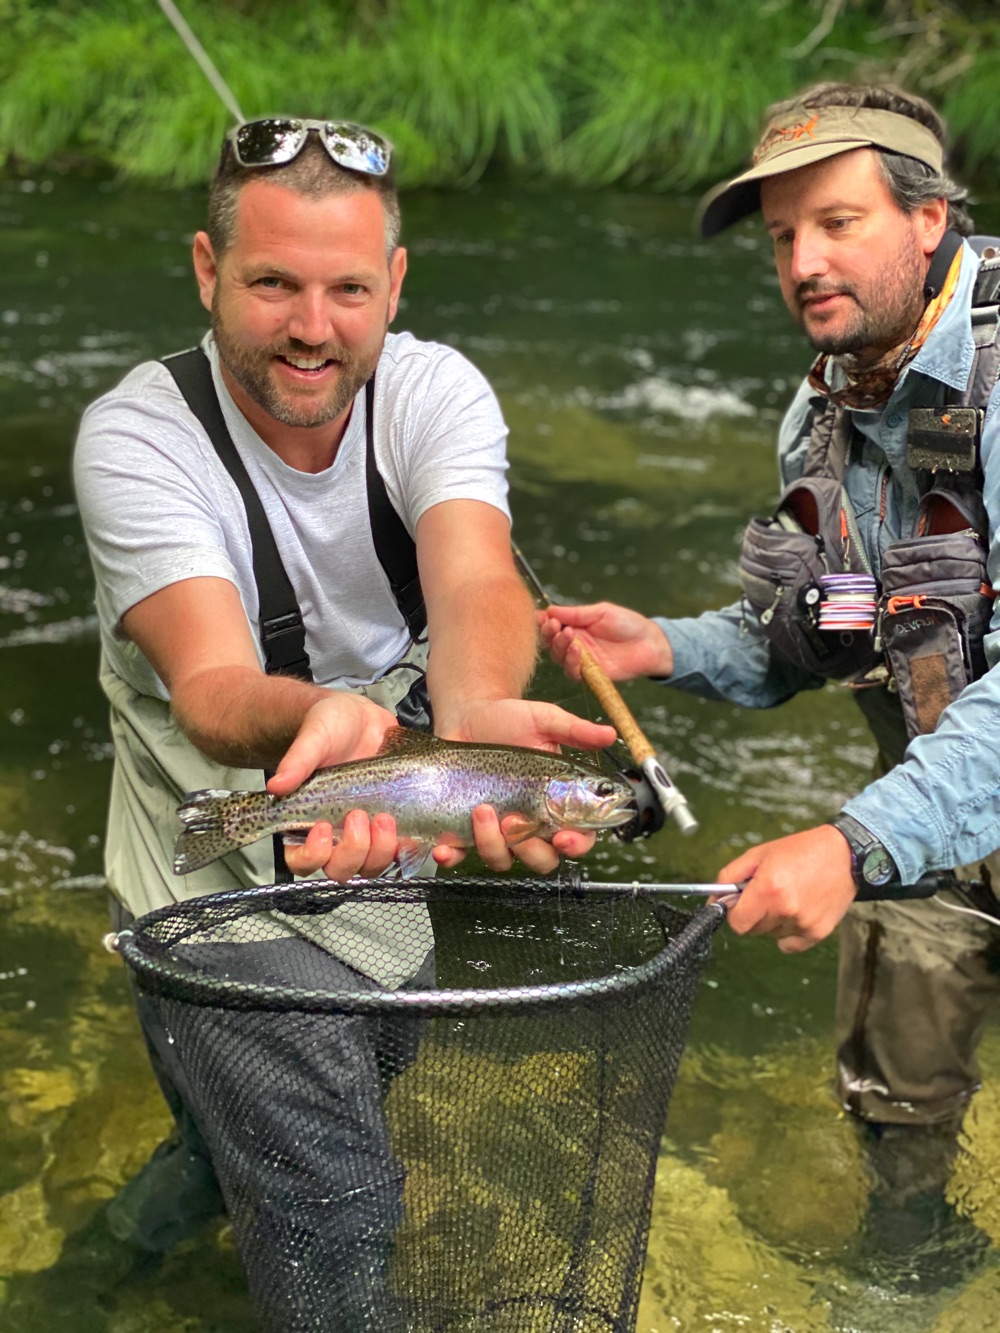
275, 140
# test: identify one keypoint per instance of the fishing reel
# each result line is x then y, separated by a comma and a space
649, 816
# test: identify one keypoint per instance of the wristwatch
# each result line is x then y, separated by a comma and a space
871, 864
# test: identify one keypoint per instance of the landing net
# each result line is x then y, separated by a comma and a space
433, 1107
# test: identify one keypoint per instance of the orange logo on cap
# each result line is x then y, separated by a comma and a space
786, 133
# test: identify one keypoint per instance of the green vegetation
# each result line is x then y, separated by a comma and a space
655, 93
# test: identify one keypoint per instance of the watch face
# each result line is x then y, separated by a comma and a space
878, 866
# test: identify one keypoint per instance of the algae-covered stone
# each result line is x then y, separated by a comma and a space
31, 1095
28, 1241
801, 1185
140, 1314
974, 1310
104, 1139
702, 1260
789, 1160
973, 1185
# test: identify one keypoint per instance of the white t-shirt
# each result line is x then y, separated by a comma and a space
158, 505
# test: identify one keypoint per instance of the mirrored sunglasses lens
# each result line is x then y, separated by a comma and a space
262, 143
357, 149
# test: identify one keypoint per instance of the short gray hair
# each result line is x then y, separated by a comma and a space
913, 183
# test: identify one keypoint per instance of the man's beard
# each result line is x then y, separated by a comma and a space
251, 368
885, 318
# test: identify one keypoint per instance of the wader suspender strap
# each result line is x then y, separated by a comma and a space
394, 546
282, 633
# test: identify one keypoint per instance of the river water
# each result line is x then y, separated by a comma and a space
643, 374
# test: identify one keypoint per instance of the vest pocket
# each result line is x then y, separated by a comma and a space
936, 608
780, 573
924, 640
812, 533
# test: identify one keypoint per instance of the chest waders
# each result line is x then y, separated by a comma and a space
935, 601
281, 628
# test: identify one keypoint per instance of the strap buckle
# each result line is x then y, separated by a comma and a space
283, 639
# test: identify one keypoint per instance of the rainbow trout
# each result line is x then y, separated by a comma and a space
429, 786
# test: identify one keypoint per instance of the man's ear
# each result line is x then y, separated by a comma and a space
397, 272
932, 221
205, 268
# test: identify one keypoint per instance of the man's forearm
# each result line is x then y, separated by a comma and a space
240, 717
483, 647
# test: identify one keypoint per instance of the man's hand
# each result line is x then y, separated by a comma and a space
337, 728
625, 643
529, 722
798, 888
366, 847
539, 726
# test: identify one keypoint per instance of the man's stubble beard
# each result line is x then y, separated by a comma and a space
251, 368
888, 315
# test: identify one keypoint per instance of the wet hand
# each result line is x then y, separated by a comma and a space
624, 643
796, 888
338, 728
365, 848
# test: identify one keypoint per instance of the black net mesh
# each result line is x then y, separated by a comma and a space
439, 1139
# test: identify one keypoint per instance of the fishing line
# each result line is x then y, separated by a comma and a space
202, 58
966, 911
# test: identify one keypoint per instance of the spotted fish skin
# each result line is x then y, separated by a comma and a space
428, 785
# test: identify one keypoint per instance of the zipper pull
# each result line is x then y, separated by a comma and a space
767, 616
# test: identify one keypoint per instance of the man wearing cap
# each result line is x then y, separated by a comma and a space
280, 456
867, 230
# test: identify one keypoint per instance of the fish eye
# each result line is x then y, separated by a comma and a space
605, 787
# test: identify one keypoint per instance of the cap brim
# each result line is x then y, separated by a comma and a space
736, 199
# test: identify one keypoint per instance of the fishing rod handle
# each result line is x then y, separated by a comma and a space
615, 706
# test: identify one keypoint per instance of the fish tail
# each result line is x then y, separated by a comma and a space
218, 822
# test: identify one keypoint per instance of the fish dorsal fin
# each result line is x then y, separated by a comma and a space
405, 740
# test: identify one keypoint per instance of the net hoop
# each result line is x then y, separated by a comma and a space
160, 974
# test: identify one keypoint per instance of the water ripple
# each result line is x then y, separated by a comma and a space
56, 631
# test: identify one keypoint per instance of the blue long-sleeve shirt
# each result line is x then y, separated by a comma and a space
941, 806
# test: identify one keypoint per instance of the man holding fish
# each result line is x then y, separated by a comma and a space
301, 269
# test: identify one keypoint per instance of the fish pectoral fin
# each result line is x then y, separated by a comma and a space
517, 828
411, 853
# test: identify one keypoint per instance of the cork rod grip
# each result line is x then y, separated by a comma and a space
615, 707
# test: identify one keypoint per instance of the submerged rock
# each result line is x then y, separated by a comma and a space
789, 1160
28, 1241
703, 1262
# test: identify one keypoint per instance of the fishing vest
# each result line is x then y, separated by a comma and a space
935, 602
